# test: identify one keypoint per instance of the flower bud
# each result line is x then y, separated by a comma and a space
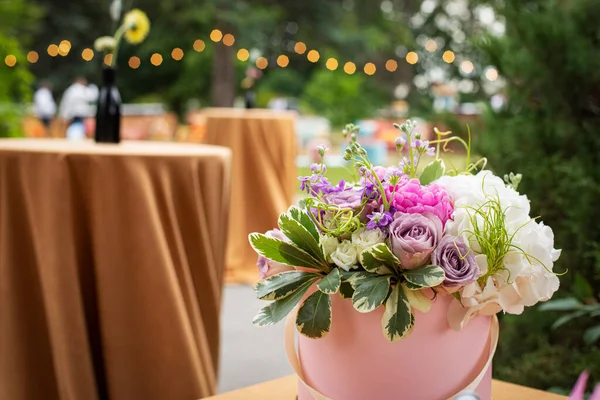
400, 142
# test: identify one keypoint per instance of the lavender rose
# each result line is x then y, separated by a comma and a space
267, 267
413, 237
348, 198
457, 260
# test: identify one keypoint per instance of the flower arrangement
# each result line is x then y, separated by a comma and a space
134, 27
401, 235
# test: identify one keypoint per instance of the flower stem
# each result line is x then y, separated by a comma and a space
118, 35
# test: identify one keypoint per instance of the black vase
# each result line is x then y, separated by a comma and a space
108, 114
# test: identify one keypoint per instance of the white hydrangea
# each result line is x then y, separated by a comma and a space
345, 255
528, 276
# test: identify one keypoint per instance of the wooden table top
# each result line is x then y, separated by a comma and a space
286, 389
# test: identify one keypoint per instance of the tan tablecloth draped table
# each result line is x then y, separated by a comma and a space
111, 269
263, 180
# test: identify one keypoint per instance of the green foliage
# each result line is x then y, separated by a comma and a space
282, 252
331, 283
282, 285
370, 293
279, 309
398, 319
341, 97
432, 171
424, 277
314, 316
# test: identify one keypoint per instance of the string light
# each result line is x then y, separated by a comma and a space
448, 56
53, 50
412, 57
467, 67
33, 57
108, 59
262, 62
10, 60
64, 47
216, 35
491, 74
228, 39
283, 61
391, 65
331, 64
243, 54
156, 59
431, 45
199, 45
349, 68
300, 47
87, 54
369, 68
313, 56
134, 62
177, 54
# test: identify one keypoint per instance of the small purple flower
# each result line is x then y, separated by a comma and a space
400, 141
379, 219
431, 151
457, 260
416, 144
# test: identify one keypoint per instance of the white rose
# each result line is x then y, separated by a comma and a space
329, 244
365, 239
345, 255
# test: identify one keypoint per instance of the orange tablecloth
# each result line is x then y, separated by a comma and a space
286, 389
263, 144
111, 269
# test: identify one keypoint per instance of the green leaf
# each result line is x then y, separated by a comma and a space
370, 293
280, 251
374, 265
398, 319
277, 310
282, 285
354, 277
382, 252
424, 277
581, 288
566, 304
432, 171
346, 290
303, 217
591, 335
567, 318
314, 316
301, 237
330, 284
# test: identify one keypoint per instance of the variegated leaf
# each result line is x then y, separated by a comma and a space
303, 217
417, 299
411, 286
282, 285
382, 252
354, 277
346, 290
424, 277
277, 310
282, 252
302, 238
375, 265
314, 316
397, 320
330, 284
370, 293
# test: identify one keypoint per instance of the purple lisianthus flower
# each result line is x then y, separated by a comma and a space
413, 237
347, 198
457, 260
379, 219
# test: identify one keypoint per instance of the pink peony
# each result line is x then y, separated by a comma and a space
408, 196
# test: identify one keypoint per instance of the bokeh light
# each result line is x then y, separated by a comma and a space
331, 64
53, 50
300, 48
369, 68
391, 65
134, 62
412, 57
199, 45
33, 57
313, 56
349, 68
64, 47
243, 54
491, 74
87, 54
216, 35
431, 45
177, 54
262, 62
108, 59
228, 39
283, 61
448, 56
156, 59
10, 60
467, 66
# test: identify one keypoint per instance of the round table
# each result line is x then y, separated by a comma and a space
111, 269
263, 179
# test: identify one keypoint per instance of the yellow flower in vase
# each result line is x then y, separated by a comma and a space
137, 26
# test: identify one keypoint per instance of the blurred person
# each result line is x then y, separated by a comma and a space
75, 106
44, 106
